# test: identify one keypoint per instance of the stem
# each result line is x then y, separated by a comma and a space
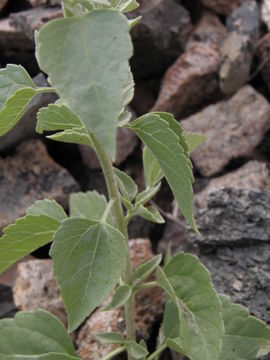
119, 218
157, 352
114, 353
146, 285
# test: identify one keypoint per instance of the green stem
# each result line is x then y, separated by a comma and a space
157, 352
114, 353
119, 218
146, 285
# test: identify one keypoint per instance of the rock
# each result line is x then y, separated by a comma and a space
46, 3
254, 175
190, 82
9, 276
126, 143
30, 174
149, 308
36, 287
263, 54
33, 19
209, 30
223, 7
160, 36
7, 306
238, 49
233, 129
235, 217
265, 13
3, 3
25, 129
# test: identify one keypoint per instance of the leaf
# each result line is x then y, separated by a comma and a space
193, 140
126, 184
189, 285
163, 138
99, 43
135, 350
30, 334
48, 208
151, 214
143, 271
72, 136
171, 323
49, 356
147, 195
121, 296
246, 337
88, 258
152, 170
129, 5
90, 205
25, 236
110, 338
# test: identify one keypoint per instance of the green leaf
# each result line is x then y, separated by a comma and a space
147, 195
135, 350
99, 43
201, 329
25, 236
143, 271
48, 208
90, 205
246, 337
88, 258
72, 136
126, 184
110, 338
30, 334
162, 135
193, 140
171, 321
49, 356
152, 170
128, 5
121, 296
151, 214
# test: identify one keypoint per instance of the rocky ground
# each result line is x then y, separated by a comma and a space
207, 62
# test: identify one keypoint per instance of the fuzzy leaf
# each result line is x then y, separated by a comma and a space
147, 194
90, 205
135, 350
25, 236
30, 335
88, 258
110, 338
121, 296
246, 337
199, 318
152, 170
150, 213
162, 135
48, 208
193, 140
144, 270
101, 46
72, 136
126, 184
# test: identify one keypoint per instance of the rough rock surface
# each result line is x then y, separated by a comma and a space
25, 129
233, 129
209, 30
160, 36
254, 175
263, 53
7, 306
223, 7
126, 143
239, 47
235, 217
30, 175
190, 82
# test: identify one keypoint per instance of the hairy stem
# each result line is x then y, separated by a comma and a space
119, 218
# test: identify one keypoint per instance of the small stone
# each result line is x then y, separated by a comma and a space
253, 175
223, 7
233, 128
239, 47
30, 175
126, 144
263, 53
208, 30
235, 217
190, 82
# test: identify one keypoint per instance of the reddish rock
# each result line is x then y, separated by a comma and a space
263, 53
209, 30
30, 174
253, 175
190, 82
223, 7
126, 144
233, 128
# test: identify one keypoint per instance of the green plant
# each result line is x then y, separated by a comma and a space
86, 57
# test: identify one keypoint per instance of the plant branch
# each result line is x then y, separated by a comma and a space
115, 352
146, 285
157, 352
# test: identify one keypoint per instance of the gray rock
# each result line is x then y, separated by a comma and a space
235, 217
238, 48
29, 175
190, 82
223, 7
233, 128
